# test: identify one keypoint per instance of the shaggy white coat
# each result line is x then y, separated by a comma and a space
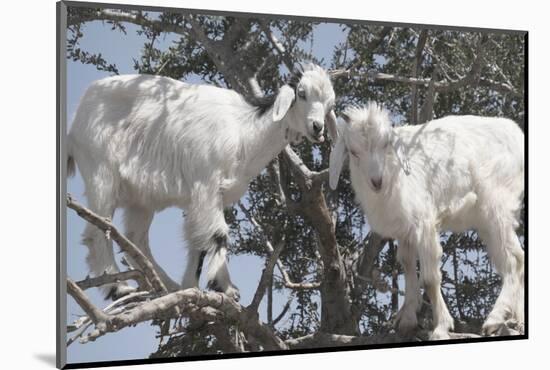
455, 173
145, 143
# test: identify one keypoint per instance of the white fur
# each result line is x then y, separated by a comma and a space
464, 172
145, 143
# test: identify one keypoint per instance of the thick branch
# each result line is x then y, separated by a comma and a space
335, 308
219, 53
303, 174
212, 305
322, 339
231, 64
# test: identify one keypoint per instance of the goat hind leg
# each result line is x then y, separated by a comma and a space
100, 257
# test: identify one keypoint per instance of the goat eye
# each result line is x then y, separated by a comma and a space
302, 94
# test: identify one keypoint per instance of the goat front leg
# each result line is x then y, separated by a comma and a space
207, 237
429, 253
406, 320
505, 251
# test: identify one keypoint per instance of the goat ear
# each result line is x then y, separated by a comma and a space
284, 100
399, 149
330, 123
336, 162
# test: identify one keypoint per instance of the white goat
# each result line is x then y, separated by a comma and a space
454, 173
146, 143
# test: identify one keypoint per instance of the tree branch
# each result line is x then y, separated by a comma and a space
288, 283
422, 38
96, 315
282, 314
335, 309
366, 266
427, 109
125, 244
134, 17
209, 305
92, 282
267, 275
371, 45
473, 77
277, 46
323, 339
501, 87
220, 53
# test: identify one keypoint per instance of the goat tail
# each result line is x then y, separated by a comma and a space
71, 164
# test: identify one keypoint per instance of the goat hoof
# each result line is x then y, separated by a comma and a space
233, 292
119, 291
491, 327
405, 322
406, 327
439, 334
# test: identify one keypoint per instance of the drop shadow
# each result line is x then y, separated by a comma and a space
46, 358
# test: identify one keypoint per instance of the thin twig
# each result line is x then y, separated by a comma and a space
266, 276
288, 283
96, 315
92, 282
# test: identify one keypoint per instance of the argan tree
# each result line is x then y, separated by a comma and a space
341, 282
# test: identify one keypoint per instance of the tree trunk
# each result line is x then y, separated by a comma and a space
336, 314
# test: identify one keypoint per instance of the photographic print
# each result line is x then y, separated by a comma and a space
236, 184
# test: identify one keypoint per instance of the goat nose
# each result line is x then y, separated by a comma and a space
317, 127
376, 183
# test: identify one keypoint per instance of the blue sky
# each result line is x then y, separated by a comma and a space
166, 235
